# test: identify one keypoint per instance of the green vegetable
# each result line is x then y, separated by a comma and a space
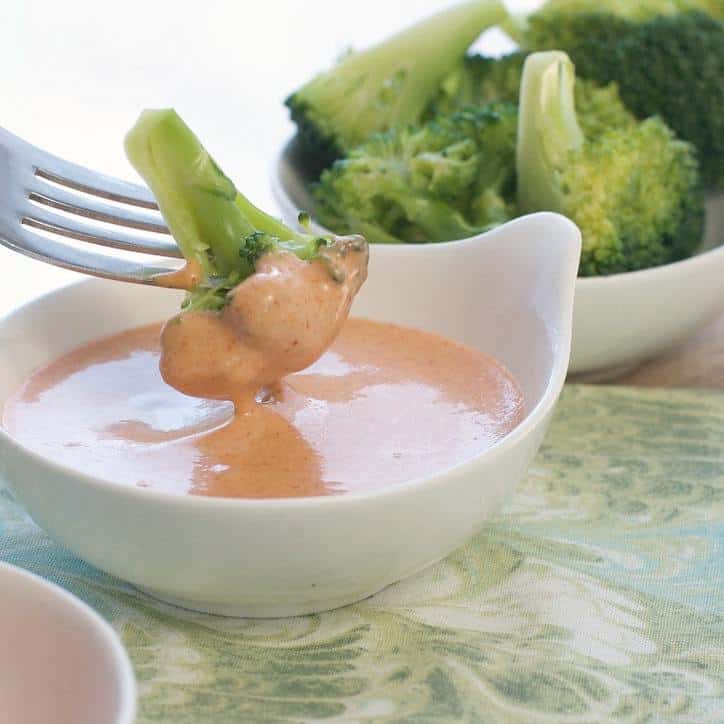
388, 85
212, 223
638, 11
633, 190
447, 179
479, 80
666, 57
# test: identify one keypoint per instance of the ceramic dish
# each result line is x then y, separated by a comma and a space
508, 292
60, 662
619, 320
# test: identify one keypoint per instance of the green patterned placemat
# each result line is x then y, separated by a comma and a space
598, 595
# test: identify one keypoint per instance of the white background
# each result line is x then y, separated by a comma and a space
76, 73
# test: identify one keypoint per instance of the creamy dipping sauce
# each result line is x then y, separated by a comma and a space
384, 405
279, 320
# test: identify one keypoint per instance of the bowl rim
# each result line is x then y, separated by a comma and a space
111, 640
279, 191
535, 416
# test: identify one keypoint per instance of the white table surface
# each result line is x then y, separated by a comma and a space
77, 73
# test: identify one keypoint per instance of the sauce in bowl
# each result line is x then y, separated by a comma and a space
383, 405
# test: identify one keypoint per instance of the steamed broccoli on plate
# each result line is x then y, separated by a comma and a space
633, 191
388, 85
667, 57
447, 179
215, 226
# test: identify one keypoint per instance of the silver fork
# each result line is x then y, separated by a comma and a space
40, 192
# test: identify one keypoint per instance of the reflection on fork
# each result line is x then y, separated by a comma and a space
45, 200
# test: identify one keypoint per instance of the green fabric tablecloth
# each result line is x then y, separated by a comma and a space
598, 595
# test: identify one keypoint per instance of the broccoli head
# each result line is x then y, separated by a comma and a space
634, 190
215, 226
387, 85
447, 179
479, 80
638, 11
666, 57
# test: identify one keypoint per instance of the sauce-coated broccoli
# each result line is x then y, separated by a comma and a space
633, 190
388, 85
215, 226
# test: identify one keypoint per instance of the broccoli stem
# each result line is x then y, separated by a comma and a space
456, 27
210, 220
305, 246
443, 38
196, 199
389, 84
548, 129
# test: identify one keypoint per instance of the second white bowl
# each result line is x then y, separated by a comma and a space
61, 663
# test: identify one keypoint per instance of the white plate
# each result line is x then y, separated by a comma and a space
60, 662
509, 293
620, 320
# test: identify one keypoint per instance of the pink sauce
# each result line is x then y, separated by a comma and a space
383, 405
279, 320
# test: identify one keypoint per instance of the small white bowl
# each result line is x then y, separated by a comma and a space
508, 292
61, 662
619, 320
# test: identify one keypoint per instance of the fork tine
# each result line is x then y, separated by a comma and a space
58, 171
28, 201
94, 208
41, 218
83, 260
82, 179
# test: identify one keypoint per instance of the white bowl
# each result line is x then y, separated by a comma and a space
619, 320
60, 662
508, 292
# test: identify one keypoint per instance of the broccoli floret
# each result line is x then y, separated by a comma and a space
447, 179
638, 11
213, 224
669, 64
388, 85
479, 80
634, 191
600, 108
